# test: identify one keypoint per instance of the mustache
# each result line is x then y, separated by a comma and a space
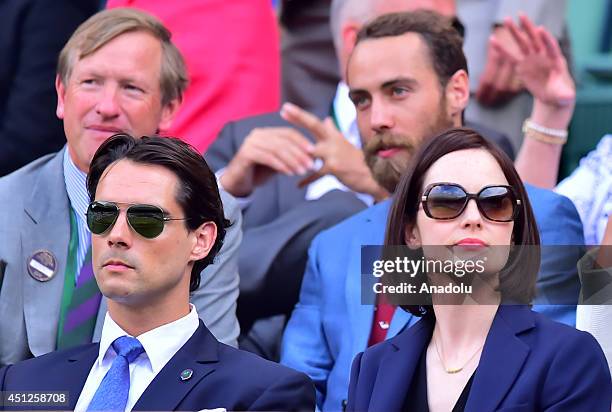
387, 140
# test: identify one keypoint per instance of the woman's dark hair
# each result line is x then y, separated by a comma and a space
518, 277
198, 194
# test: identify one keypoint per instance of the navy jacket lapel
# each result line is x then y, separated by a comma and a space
398, 366
167, 390
502, 358
78, 368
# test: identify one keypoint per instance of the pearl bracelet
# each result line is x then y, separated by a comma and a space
544, 134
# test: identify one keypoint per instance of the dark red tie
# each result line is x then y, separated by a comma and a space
383, 313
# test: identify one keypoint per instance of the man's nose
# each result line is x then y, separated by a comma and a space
381, 116
107, 105
120, 235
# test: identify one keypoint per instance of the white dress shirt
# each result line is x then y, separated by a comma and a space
160, 345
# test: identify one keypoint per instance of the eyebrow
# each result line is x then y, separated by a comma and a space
399, 80
388, 84
94, 72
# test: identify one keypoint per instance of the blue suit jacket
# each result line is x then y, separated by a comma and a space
223, 377
329, 325
528, 363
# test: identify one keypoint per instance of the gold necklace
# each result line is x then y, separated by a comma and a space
455, 370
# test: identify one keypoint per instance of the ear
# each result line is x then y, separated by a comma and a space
205, 237
413, 237
168, 114
349, 36
61, 94
457, 94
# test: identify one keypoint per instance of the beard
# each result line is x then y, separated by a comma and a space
388, 171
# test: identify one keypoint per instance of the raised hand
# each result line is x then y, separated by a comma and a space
541, 67
539, 63
340, 158
499, 82
264, 152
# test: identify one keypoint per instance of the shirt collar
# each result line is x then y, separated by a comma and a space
160, 344
346, 115
76, 186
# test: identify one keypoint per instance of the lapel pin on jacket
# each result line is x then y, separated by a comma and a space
42, 265
186, 374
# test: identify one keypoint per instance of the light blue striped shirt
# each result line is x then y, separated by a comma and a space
76, 187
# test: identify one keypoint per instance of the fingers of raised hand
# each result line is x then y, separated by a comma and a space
331, 130
336, 154
312, 177
520, 37
273, 161
500, 85
504, 77
533, 34
551, 45
304, 119
283, 149
502, 52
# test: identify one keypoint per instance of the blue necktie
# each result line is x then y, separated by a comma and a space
112, 394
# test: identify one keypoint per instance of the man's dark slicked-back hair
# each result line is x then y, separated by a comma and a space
198, 194
443, 41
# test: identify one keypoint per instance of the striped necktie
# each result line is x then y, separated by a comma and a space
82, 311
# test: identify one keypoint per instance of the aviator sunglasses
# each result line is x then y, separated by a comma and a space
146, 220
444, 201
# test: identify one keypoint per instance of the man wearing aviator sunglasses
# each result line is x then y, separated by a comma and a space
157, 221
146, 220
119, 72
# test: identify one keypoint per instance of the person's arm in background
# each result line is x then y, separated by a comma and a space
216, 297
33, 33
541, 67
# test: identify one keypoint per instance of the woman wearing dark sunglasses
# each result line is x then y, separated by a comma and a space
464, 194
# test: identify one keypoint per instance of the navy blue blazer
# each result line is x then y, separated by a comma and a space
223, 377
528, 363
